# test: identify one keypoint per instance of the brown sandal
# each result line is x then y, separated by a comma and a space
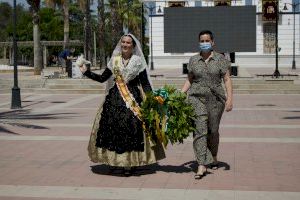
200, 176
201, 173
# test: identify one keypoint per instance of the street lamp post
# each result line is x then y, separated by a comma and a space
15, 96
294, 5
151, 63
151, 8
142, 28
276, 72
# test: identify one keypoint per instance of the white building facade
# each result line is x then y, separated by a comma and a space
265, 44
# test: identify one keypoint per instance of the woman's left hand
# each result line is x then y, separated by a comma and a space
228, 105
83, 68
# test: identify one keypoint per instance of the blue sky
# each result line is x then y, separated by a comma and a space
23, 2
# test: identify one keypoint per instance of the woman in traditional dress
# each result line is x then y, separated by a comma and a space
117, 137
206, 70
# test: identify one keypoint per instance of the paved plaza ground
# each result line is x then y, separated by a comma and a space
43, 153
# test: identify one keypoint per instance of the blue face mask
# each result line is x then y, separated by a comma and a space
205, 46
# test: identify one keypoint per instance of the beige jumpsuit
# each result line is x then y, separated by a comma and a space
208, 99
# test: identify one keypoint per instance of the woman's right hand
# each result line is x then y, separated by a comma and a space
83, 68
186, 86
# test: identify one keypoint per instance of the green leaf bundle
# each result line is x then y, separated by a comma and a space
170, 120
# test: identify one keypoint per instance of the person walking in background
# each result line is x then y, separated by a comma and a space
118, 138
206, 70
65, 59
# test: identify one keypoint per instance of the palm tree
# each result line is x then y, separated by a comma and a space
65, 6
37, 60
66, 23
125, 14
101, 29
85, 5
131, 16
116, 20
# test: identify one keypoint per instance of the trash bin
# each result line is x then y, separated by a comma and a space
184, 68
69, 68
234, 70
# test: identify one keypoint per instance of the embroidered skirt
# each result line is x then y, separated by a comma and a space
117, 136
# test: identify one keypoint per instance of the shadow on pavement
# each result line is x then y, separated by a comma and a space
5, 130
138, 171
194, 165
35, 103
13, 118
291, 117
187, 167
58, 102
26, 114
223, 165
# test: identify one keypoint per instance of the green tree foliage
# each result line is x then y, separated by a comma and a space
23, 23
5, 17
117, 16
51, 25
121, 15
76, 23
23, 29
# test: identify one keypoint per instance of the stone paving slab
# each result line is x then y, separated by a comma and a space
240, 132
149, 194
45, 156
188, 139
41, 198
247, 166
260, 132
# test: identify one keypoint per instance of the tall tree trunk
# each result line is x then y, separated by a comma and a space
37, 60
66, 24
37, 50
88, 32
101, 38
117, 24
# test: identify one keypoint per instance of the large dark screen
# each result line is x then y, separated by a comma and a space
234, 28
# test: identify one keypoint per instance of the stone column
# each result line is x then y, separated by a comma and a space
45, 56
4, 52
11, 56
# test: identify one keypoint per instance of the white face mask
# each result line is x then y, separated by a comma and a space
205, 46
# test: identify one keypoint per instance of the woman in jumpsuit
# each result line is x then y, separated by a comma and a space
206, 70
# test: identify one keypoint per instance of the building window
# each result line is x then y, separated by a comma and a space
297, 9
176, 3
198, 3
248, 2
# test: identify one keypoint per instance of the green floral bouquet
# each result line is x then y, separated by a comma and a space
168, 117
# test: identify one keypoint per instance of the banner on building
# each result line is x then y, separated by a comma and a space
222, 2
269, 30
269, 10
176, 3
